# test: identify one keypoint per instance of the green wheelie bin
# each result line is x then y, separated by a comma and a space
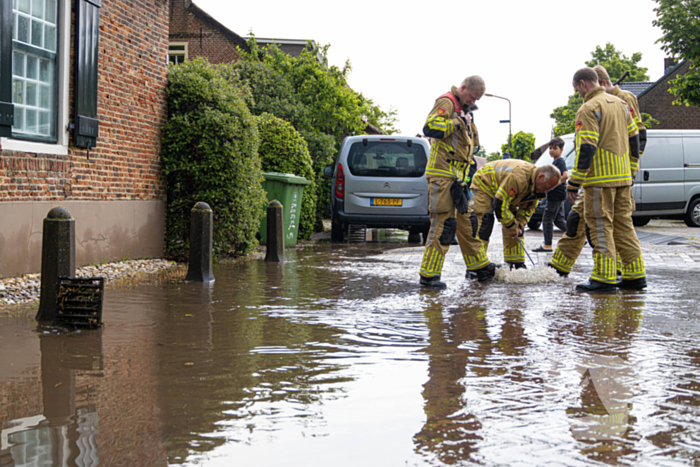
288, 189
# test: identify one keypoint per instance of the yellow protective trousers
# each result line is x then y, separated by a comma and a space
474, 242
571, 243
608, 216
444, 223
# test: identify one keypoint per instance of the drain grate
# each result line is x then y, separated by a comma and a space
80, 301
357, 233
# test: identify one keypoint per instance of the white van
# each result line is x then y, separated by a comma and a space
667, 184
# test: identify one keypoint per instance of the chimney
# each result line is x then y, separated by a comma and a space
669, 63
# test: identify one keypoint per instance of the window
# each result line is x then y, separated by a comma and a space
387, 159
177, 52
34, 64
35, 51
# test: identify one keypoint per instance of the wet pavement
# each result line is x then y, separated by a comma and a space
338, 358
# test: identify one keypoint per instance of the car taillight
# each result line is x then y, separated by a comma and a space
340, 183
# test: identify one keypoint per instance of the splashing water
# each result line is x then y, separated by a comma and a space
535, 275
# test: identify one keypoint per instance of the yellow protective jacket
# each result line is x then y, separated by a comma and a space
604, 122
511, 184
451, 151
631, 101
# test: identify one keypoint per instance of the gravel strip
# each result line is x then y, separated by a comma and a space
18, 290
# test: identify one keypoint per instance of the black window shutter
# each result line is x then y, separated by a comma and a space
86, 56
7, 110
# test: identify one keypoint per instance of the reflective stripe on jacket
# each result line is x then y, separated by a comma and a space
511, 184
603, 121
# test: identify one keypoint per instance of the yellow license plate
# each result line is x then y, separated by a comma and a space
386, 202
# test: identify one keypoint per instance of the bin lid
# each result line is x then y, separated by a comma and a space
286, 178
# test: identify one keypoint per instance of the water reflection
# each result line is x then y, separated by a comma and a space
261, 369
602, 421
451, 430
65, 432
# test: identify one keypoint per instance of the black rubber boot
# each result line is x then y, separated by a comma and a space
595, 286
559, 271
633, 284
517, 266
487, 272
432, 282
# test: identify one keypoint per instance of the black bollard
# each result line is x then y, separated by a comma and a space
201, 241
275, 232
57, 259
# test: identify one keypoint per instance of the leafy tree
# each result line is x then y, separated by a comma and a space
315, 99
522, 144
679, 21
565, 115
494, 156
210, 154
616, 64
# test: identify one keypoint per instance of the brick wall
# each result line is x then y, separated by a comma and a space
132, 109
205, 36
658, 103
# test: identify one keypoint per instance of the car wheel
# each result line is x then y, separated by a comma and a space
640, 221
692, 217
534, 224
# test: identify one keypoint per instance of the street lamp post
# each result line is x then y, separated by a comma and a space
502, 121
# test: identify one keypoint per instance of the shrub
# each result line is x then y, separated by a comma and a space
210, 154
282, 149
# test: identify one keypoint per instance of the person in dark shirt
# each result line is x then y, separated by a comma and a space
554, 209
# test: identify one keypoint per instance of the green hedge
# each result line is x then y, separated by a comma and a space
282, 149
210, 154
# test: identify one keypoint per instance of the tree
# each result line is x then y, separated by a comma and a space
522, 145
616, 64
494, 156
315, 99
679, 21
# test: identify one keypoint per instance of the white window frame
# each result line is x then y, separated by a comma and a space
178, 52
62, 106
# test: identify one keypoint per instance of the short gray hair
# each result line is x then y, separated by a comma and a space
549, 171
474, 83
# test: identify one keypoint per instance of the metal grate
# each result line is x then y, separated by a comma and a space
357, 233
80, 301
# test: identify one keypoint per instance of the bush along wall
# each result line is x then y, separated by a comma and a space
282, 149
210, 154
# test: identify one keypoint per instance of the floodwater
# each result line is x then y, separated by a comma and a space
338, 358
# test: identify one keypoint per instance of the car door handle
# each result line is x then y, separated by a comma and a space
646, 175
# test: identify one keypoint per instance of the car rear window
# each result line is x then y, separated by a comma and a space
387, 159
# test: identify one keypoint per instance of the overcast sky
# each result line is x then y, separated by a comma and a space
405, 54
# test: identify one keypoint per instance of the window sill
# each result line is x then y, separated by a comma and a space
8, 144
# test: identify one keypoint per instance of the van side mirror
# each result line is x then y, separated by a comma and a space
328, 171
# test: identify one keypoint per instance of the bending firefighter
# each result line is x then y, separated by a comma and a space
510, 189
570, 246
447, 172
607, 152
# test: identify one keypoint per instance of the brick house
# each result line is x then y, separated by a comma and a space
655, 100
94, 152
194, 33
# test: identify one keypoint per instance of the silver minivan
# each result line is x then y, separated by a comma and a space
378, 181
667, 184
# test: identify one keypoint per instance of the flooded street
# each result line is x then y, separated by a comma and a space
338, 358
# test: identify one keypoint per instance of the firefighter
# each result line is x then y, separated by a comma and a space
510, 189
447, 172
570, 246
607, 151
